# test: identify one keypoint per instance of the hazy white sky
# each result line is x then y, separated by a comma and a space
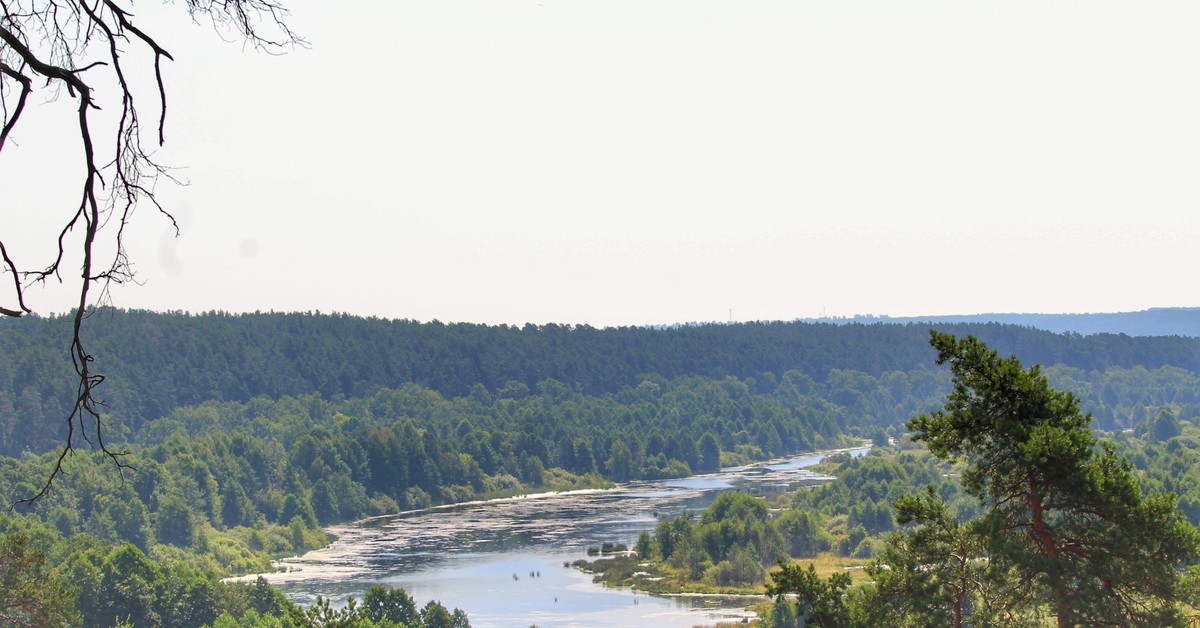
631, 162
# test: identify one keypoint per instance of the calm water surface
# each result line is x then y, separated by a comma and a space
501, 561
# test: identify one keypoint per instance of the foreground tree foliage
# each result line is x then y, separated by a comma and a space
932, 575
820, 602
381, 608
1066, 531
31, 592
48, 581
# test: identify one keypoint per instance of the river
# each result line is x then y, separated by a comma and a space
502, 561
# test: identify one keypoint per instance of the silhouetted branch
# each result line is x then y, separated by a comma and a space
78, 44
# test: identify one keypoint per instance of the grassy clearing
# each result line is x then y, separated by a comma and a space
828, 563
660, 578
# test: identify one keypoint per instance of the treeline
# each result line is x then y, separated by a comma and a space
1156, 321
53, 581
156, 363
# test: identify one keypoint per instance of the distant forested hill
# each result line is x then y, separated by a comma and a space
1162, 321
157, 362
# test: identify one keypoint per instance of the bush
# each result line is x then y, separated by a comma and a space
741, 569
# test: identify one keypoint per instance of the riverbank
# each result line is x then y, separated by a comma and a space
477, 556
561, 484
716, 555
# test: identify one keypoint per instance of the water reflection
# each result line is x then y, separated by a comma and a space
502, 561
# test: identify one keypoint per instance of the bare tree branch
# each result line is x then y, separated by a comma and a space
80, 45
11, 120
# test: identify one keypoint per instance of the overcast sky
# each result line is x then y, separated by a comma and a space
636, 162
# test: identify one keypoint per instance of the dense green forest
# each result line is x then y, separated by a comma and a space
47, 579
156, 362
218, 470
247, 434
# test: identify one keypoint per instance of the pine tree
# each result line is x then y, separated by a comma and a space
1067, 528
932, 574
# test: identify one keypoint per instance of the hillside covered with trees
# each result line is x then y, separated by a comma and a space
155, 362
247, 434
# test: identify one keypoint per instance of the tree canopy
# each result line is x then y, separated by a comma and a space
1066, 525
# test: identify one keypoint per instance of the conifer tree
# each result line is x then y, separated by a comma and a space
932, 574
1067, 529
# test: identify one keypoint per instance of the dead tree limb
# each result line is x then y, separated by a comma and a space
48, 46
